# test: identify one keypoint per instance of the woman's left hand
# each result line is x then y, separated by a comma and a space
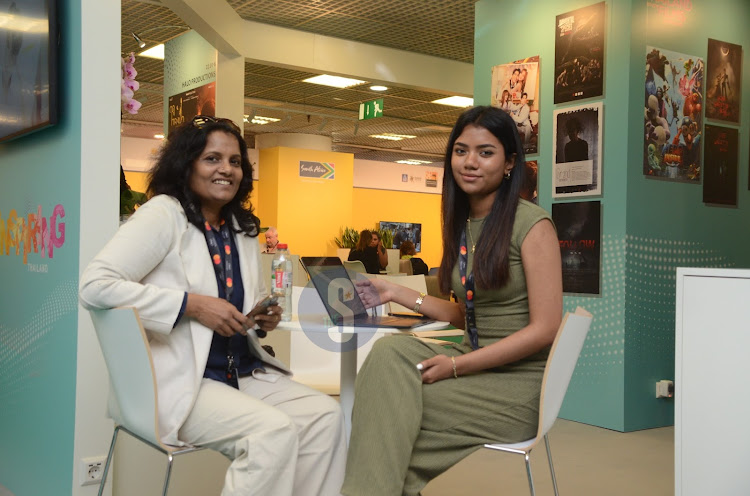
268, 320
436, 369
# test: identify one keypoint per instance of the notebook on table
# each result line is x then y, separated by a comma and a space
340, 298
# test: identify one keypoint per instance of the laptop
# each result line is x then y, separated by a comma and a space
336, 289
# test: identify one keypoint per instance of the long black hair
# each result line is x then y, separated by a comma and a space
171, 174
491, 266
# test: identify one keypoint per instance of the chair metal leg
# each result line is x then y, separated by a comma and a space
170, 458
109, 460
528, 473
551, 467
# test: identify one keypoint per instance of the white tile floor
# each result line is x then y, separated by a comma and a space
588, 461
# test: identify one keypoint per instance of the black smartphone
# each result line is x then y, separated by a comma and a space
263, 305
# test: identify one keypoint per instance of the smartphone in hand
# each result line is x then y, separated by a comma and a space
263, 305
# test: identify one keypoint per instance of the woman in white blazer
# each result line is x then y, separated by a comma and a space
188, 260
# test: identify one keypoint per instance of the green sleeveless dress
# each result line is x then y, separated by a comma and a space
405, 433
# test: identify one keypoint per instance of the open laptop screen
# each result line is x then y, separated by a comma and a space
332, 282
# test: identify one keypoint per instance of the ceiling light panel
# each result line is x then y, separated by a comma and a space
333, 81
413, 162
392, 136
456, 101
155, 52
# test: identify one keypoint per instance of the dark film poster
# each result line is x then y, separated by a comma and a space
579, 231
723, 81
720, 161
577, 168
579, 53
530, 188
186, 105
672, 115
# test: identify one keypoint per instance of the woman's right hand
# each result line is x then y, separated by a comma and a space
217, 314
373, 292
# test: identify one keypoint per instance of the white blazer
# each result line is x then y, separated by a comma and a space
152, 260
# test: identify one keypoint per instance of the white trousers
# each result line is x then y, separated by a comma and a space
284, 439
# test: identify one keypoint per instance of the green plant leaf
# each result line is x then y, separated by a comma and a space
349, 238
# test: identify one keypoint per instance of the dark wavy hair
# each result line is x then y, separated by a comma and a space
174, 167
491, 266
365, 238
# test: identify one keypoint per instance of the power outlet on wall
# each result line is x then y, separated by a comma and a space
664, 389
91, 470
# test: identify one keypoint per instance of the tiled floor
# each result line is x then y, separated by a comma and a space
589, 461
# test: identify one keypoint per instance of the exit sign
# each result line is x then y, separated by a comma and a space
370, 110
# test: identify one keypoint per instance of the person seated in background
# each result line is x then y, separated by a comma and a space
272, 239
378, 245
366, 253
407, 250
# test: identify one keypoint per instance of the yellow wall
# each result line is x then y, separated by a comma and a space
138, 181
370, 206
308, 212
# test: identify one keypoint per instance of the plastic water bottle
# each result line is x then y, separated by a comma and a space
281, 280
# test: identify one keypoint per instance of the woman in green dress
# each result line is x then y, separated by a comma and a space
420, 408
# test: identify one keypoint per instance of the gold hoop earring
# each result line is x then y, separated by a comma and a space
507, 175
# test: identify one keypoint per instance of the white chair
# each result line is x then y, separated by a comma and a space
557, 373
131, 374
355, 266
405, 267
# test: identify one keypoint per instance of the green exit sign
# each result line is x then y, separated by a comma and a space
370, 110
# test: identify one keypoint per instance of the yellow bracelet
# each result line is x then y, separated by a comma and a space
455, 374
418, 304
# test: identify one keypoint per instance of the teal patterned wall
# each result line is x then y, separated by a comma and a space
39, 249
649, 227
596, 390
651, 271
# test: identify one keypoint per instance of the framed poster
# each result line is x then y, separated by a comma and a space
28, 67
672, 115
577, 166
720, 177
723, 81
579, 53
579, 232
515, 89
530, 189
186, 105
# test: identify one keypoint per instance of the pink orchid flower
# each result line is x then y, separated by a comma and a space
129, 71
126, 94
132, 84
132, 106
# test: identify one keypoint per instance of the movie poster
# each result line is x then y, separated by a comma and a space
577, 167
579, 231
186, 105
515, 89
672, 115
723, 81
579, 54
530, 189
720, 162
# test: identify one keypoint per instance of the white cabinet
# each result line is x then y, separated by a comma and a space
712, 372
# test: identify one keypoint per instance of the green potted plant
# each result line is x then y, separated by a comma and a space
347, 242
386, 237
